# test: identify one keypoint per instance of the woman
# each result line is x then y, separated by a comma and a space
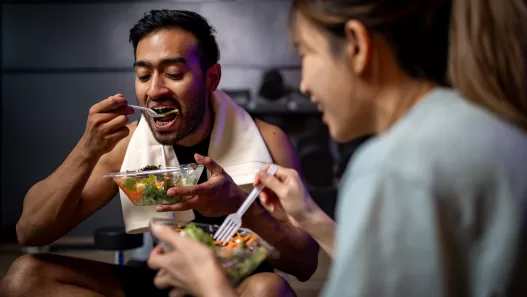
433, 206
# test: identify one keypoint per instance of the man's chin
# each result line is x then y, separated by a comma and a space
165, 138
172, 136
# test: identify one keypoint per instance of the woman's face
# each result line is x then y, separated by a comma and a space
332, 82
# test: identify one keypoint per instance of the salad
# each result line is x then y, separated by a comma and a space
240, 256
149, 185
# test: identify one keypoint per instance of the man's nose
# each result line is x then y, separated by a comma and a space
157, 87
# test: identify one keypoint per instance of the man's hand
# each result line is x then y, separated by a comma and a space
106, 125
216, 197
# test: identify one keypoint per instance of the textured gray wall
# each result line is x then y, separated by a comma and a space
69, 57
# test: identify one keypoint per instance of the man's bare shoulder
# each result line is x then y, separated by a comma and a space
114, 159
273, 135
267, 129
278, 144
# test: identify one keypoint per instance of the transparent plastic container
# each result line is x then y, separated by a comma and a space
238, 259
149, 187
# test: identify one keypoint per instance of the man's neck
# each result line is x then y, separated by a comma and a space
203, 131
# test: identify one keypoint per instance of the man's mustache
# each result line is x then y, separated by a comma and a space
163, 99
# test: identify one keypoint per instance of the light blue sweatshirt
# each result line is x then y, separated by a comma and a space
433, 207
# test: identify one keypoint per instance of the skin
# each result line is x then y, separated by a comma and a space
169, 72
358, 96
180, 83
55, 205
194, 264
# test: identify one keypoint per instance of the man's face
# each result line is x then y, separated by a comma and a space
169, 75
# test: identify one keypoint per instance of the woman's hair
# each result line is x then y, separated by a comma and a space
477, 46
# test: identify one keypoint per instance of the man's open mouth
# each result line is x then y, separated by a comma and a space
167, 121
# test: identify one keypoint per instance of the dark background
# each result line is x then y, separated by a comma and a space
61, 57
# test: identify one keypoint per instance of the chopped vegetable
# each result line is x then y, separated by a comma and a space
152, 190
239, 257
196, 233
150, 167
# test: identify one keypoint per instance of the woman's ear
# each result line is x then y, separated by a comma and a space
213, 77
358, 46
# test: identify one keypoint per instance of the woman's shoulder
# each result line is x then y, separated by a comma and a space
445, 134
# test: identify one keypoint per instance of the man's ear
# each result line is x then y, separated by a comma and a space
213, 77
358, 46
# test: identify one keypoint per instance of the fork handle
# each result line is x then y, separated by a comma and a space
139, 107
254, 193
250, 199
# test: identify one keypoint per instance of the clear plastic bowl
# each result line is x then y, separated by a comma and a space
149, 187
238, 262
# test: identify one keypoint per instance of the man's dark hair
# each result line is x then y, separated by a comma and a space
208, 51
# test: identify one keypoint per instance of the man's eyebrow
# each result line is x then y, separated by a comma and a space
141, 64
165, 61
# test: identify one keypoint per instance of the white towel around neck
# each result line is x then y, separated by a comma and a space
236, 145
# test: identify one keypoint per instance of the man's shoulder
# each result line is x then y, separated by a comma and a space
278, 144
269, 131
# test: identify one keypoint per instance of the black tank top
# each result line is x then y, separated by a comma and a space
185, 155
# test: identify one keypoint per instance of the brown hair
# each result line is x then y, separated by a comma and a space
477, 46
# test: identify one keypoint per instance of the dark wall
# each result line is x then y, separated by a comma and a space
94, 37
59, 59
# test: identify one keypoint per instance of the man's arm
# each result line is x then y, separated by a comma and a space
298, 251
73, 192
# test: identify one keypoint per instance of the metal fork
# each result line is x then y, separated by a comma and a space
152, 113
233, 222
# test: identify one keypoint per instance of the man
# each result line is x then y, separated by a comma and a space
176, 66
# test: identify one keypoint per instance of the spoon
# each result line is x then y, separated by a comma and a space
152, 113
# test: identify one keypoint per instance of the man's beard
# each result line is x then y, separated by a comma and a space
189, 120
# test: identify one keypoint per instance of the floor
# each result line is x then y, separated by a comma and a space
311, 288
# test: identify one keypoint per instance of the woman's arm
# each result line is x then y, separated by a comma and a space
322, 228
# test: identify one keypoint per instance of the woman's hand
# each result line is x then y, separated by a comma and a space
285, 196
191, 267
